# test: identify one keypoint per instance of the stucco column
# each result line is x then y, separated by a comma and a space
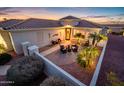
25, 46
33, 49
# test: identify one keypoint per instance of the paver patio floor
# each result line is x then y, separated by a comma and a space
69, 64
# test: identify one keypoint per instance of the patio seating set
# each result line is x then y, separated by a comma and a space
68, 48
54, 42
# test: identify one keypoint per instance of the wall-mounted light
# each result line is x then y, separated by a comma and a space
68, 26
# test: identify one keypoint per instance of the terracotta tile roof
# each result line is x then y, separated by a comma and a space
36, 23
85, 23
9, 23
42, 23
69, 17
114, 25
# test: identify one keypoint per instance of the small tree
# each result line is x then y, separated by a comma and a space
79, 36
2, 48
93, 36
86, 56
96, 38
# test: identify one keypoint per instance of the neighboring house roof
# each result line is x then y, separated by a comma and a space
69, 17
114, 25
84, 23
9, 23
36, 23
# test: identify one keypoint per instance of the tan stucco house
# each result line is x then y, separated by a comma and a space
41, 31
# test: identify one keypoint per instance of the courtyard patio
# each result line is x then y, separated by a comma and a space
68, 63
68, 60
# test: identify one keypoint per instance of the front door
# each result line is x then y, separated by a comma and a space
67, 33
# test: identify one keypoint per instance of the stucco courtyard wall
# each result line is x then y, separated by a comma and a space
40, 37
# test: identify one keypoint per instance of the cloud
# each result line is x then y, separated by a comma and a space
99, 16
7, 11
12, 11
95, 17
3, 13
120, 15
4, 9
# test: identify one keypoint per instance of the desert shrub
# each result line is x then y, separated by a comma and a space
54, 81
114, 80
25, 71
4, 58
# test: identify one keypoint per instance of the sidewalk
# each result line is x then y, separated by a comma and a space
46, 52
3, 69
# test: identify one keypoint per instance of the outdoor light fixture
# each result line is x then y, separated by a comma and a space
68, 25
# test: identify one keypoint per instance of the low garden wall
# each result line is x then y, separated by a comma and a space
50, 68
54, 70
97, 70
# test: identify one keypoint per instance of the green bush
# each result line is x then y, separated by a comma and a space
2, 48
54, 81
86, 56
25, 71
4, 58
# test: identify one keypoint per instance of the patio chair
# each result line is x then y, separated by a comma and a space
69, 48
59, 41
74, 48
56, 42
53, 42
86, 43
63, 49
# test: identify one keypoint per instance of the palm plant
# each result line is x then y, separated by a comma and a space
93, 36
79, 36
2, 48
96, 38
86, 56
101, 37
